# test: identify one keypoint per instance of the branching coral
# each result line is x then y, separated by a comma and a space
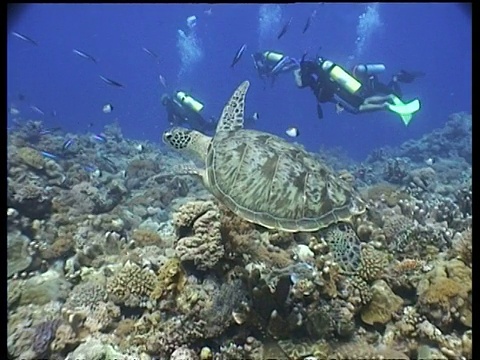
131, 286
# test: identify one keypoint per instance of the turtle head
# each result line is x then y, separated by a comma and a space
186, 140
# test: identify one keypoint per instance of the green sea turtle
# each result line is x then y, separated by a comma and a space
265, 179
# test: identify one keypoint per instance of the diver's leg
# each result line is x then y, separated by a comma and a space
378, 99
367, 107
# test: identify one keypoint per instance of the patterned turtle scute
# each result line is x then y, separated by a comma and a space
345, 247
276, 184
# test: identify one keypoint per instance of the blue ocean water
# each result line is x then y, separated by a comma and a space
433, 37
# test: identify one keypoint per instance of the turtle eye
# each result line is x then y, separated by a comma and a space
167, 136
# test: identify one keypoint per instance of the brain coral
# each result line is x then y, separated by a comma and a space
200, 221
31, 158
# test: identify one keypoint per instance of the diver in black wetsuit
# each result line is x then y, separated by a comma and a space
330, 83
183, 110
270, 64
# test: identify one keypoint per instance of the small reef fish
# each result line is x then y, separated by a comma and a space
284, 29
292, 132
99, 137
49, 131
67, 144
36, 109
111, 82
84, 55
93, 170
430, 161
162, 81
238, 55
24, 38
309, 20
150, 52
255, 116
107, 108
49, 155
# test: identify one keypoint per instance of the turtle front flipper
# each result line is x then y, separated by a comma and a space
233, 113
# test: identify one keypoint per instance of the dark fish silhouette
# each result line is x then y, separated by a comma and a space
238, 55
309, 21
84, 55
111, 82
284, 29
24, 38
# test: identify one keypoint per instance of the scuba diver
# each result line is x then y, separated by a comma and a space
367, 74
270, 64
331, 83
184, 110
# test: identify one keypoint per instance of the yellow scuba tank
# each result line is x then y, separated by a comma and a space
272, 56
341, 77
193, 104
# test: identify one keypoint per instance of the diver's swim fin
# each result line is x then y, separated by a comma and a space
405, 111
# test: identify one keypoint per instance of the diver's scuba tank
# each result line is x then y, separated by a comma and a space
193, 104
368, 69
273, 56
341, 77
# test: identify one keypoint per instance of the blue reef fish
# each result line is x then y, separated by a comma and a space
67, 144
150, 52
49, 155
84, 55
99, 137
162, 81
24, 38
49, 130
284, 29
309, 20
238, 55
111, 82
36, 109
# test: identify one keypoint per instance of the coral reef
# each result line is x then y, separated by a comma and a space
107, 259
18, 253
